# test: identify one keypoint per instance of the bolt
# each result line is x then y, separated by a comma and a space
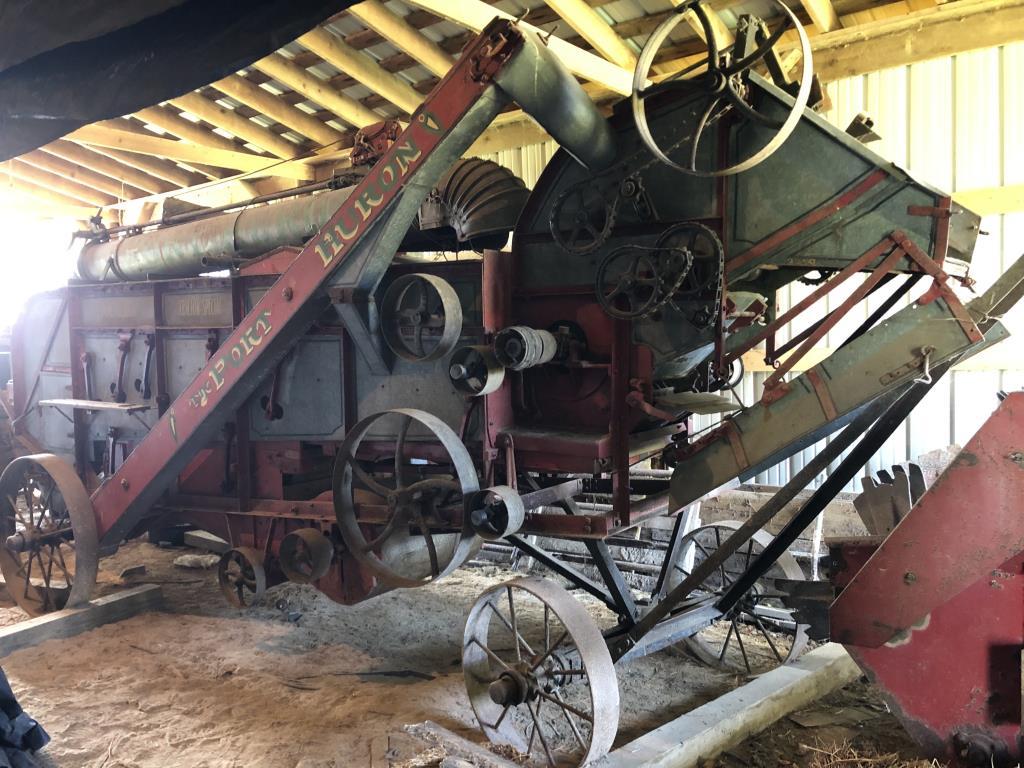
909, 577
124, 483
287, 293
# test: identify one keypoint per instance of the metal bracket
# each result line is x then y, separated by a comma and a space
347, 302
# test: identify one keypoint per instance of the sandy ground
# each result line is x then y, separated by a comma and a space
207, 685
297, 682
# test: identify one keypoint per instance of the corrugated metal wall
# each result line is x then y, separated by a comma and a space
957, 123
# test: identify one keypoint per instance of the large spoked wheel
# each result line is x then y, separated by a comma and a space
539, 675
50, 552
719, 83
760, 633
405, 521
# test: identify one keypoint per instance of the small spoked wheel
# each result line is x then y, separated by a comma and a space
582, 218
50, 552
241, 576
400, 508
760, 632
539, 675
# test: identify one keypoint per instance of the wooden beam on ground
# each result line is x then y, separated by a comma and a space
595, 30
456, 746
276, 108
228, 120
823, 14
697, 737
161, 169
81, 175
112, 169
101, 136
75, 621
476, 14
403, 36
313, 88
365, 70
51, 181
945, 30
173, 123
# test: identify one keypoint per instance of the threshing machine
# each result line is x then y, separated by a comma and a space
350, 415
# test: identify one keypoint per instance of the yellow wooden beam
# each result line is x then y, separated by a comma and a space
992, 201
945, 30
362, 68
51, 181
595, 30
313, 88
823, 14
276, 108
161, 169
101, 136
81, 175
476, 14
173, 123
403, 36
232, 122
118, 172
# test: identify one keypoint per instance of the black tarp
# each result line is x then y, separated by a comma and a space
20, 735
67, 64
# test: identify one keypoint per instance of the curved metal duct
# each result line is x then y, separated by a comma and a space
478, 199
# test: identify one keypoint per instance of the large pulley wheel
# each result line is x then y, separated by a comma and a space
719, 83
539, 675
49, 552
405, 521
760, 632
421, 317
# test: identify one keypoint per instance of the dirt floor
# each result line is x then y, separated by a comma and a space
300, 682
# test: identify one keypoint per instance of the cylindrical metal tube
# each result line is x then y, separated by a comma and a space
180, 251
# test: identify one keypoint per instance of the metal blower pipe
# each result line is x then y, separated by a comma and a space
186, 249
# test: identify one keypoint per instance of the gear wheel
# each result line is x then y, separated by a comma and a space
582, 218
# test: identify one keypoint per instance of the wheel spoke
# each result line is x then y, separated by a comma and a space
725, 645
492, 655
768, 637
540, 733
739, 641
549, 651
576, 711
520, 640
572, 723
368, 482
514, 622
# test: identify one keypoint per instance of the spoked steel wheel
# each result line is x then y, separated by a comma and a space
401, 519
49, 556
760, 632
539, 675
241, 576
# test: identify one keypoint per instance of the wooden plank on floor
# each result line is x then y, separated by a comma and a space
207, 541
707, 731
456, 746
74, 621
